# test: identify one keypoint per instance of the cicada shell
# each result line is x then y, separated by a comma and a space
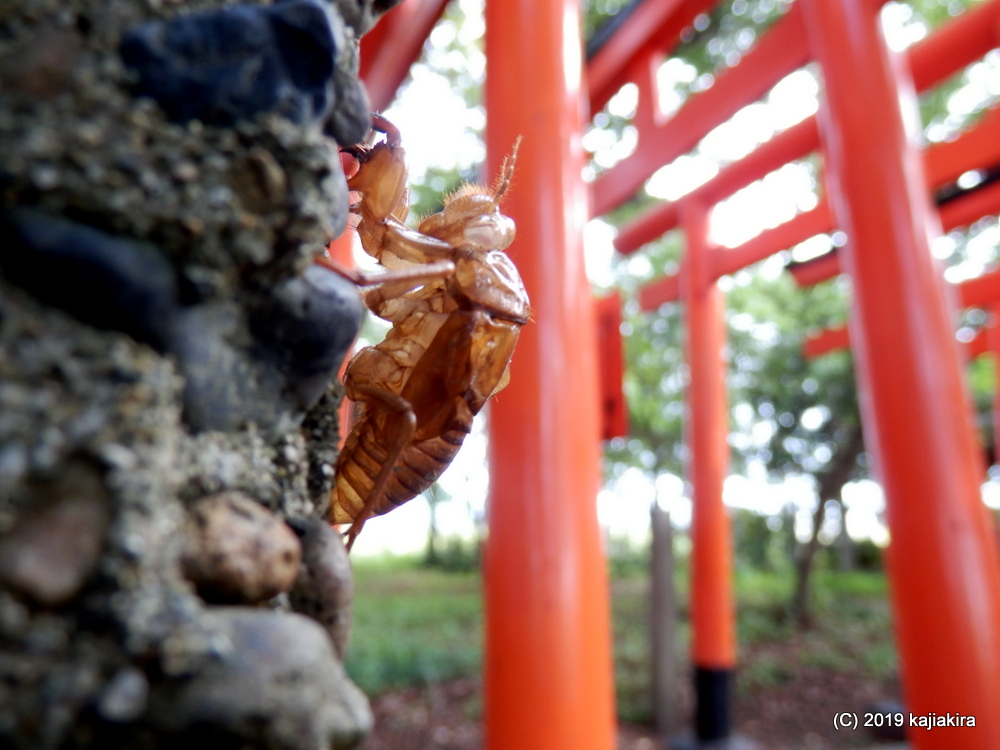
456, 304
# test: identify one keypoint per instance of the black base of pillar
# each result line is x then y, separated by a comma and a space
712, 701
713, 722
688, 741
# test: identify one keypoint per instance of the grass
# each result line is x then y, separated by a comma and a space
414, 626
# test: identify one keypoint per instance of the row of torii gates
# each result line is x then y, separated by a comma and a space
548, 669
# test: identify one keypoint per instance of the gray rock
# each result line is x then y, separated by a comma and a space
226, 387
278, 686
324, 589
270, 364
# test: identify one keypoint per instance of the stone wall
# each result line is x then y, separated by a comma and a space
168, 351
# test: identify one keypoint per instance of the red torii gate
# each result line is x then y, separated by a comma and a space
980, 292
943, 561
547, 655
548, 669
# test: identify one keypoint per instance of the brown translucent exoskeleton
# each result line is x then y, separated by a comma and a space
456, 304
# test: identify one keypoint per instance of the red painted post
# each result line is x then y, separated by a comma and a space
713, 614
943, 565
341, 249
547, 656
611, 366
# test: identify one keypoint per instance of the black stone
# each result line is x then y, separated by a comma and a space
103, 280
225, 387
350, 121
306, 325
267, 359
228, 65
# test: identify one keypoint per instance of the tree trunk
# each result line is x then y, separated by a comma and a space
830, 485
804, 566
663, 623
431, 557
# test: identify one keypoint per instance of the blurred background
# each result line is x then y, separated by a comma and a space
814, 624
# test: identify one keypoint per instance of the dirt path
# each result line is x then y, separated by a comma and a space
794, 715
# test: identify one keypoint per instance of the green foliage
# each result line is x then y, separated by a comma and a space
454, 554
789, 414
793, 414
716, 39
762, 542
630, 632
854, 632
413, 626
427, 196
867, 556
655, 373
853, 635
626, 559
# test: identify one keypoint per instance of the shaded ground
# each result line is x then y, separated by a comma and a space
796, 715
416, 627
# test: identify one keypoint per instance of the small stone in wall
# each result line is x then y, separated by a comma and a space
361, 15
41, 66
55, 543
125, 696
238, 551
106, 281
307, 324
227, 65
325, 587
277, 685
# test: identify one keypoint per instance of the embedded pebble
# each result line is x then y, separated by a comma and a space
270, 363
41, 67
324, 589
227, 65
265, 364
361, 15
106, 281
279, 685
124, 698
237, 551
225, 386
55, 543
308, 324
259, 181
349, 123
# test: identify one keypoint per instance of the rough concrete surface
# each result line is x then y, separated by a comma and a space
168, 354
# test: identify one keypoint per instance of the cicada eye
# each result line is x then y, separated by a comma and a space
494, 232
